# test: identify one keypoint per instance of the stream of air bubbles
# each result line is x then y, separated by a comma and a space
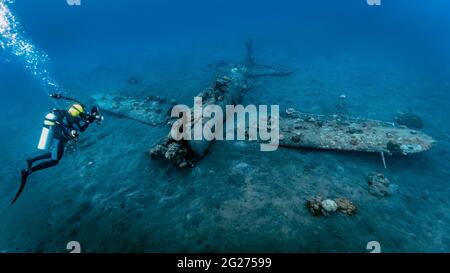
14, 41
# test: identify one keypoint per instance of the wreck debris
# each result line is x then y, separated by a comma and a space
267, 71
383, 159
324, 207
380, 186
315, 206
409, 120
336, 132
301, 130
249, 54
226, 91
346, 206
151, 110
175, 152
254, 69
298, 130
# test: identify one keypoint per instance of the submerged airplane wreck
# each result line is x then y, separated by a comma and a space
297, 130
150, 110
337, 132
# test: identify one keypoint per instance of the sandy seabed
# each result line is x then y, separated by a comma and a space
111, 197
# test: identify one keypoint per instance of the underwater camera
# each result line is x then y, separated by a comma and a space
95, 116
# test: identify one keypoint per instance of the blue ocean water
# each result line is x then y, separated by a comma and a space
108, 194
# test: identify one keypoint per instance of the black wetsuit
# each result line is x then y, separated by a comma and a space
61, 134
66, 128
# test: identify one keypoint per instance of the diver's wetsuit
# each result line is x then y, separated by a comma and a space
62, 134
65, 129
65, 125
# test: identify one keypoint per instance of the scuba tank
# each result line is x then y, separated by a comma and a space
47, 131
51, 119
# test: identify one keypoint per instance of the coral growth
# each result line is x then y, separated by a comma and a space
346, 206
380, 186
318, 206
176, 152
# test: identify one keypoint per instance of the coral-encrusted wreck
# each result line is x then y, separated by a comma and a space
297, 130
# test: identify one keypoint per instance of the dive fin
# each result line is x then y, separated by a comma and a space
24, 176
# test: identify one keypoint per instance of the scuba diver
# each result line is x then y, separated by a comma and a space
60, 126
